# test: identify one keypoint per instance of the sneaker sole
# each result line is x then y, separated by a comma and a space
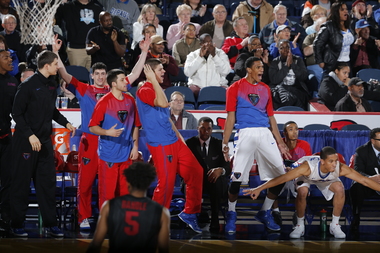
18, 235
337, 237
196, 231
264, 223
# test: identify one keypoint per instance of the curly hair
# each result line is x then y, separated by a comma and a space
140, 175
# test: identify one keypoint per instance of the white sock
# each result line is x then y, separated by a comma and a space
231, 206
301, 221
335, 220
268, 203
276, 209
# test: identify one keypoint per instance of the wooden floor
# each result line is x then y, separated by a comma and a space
33, 245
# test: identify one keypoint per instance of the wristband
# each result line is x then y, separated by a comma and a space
224, 146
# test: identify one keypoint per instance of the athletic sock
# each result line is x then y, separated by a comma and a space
268, 203
301, 221
335, 220
276, 209
232, 206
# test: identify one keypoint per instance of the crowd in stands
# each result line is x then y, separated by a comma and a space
261, 53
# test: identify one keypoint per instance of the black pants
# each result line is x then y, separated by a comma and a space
39, 166
5, 176
358, 194
217, 192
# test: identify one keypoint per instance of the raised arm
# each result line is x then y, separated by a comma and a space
161, 99
61, 67
136, 71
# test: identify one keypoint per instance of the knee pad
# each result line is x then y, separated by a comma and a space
234, 188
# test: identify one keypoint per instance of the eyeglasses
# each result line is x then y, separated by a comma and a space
220, 12
10, 23
179, 101
376, 139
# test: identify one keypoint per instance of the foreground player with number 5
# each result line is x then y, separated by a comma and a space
324, 172
134, 223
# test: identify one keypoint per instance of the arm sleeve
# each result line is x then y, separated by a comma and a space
193, 63
80, 87
98, 115
222, 63
239, 66
146, 95
19, 107
277, 73
360, 164
231, 98
172, 67
230, 48
320, 43
59, 118
269, 106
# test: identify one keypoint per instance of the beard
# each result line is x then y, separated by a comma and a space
109, 29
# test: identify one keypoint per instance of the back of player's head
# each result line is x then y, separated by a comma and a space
287, 123
153, 63
326, 151
140, 175
99, 65
112, 76
45, 57
205, 119
250, 61
373, 132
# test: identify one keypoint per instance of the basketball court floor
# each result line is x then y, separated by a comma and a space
250, 237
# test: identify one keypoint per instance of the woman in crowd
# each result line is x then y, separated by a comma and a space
175, 31
306, 15
148, 31
316, 12
332, 44
199, 13
147, 16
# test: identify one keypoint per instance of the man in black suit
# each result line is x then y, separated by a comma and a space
367, 163
208, 151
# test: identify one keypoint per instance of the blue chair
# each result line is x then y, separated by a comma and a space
375, 105
316, 127
290, 108
189, 95
79, 72
181, 77
366, 74
215, 107
354, 127
211, 95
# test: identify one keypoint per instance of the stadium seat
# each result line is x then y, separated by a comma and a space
367, 74
181, 77
211, 95
79, 72
290, 108
189, 95
316, 127
215, 107
353, 127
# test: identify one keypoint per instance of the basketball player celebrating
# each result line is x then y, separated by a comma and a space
324, 172
249, 107
116, 120
87, 96
169, 151
134, 223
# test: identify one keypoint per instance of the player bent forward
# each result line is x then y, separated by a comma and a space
324, 172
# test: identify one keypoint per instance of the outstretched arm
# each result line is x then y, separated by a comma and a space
61, 67
354, 175
136, 71
302, 170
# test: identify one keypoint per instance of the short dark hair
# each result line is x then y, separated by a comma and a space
148, 25
250, 61
2, 39
99, 65
45, 57
140, 175
373, 132
203, 37
153, 63
112, 76
287, 123
205, 119
185, 26
341, 65
326, 151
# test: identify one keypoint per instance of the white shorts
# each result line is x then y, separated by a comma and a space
256, 143
324, 187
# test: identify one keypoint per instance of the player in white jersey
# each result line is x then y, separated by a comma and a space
324, 172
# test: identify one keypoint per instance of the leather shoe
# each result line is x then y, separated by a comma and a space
355, 223
214, 225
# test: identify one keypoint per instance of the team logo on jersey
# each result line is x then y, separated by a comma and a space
85, 160
87, 16
254, 98
237, 175
122, 115
170, 158
99, 95
26, 156
109, 164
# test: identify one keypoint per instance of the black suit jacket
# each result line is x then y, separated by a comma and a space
215, 156
366, 160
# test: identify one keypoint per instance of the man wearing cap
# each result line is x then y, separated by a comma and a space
353, 101
365, 50
362, 11
283, 33
106, 43
267, 33
157, 47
